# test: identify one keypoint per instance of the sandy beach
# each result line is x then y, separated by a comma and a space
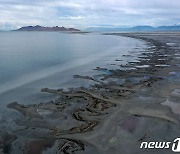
138, 102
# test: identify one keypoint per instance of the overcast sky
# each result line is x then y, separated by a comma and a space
88, 13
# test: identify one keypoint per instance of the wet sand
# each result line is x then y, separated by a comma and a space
126, 106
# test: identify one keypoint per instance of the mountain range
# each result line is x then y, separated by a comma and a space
136, 28
175, 28
41, 28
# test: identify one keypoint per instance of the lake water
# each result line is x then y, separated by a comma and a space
30, 61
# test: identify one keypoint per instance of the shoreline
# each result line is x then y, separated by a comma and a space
122, 103
22, 79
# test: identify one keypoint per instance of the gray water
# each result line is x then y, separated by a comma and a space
27, 52
30, 61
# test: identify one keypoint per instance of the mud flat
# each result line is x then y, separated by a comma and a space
126, 106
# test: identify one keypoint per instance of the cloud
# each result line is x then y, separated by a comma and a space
72, 17
17, 13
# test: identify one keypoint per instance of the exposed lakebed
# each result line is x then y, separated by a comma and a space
125, 105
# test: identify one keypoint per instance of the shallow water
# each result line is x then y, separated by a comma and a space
50, 59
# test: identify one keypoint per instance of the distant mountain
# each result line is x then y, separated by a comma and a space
171, 28
136, 28
142, 28
41, 28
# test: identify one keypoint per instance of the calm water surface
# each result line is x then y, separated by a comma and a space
30, 61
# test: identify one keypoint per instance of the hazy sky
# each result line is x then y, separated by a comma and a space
86, 13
